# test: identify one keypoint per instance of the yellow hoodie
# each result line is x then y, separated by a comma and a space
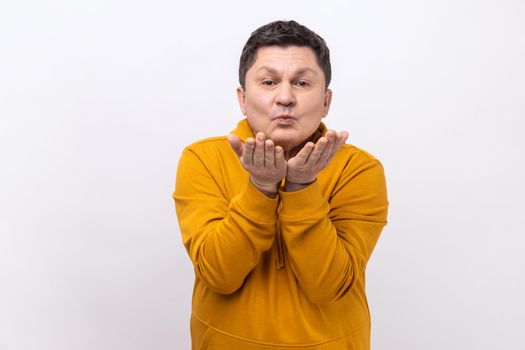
282, 273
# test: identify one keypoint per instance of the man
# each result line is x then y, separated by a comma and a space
281, 216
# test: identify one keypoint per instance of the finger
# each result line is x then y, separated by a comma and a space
341, 138
331, 137
339, 142
345, 137
236, 144
303, 154
247, 155
258, 154
318, 150
280, 162
269, 160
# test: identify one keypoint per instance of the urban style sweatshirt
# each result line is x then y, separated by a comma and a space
285, 272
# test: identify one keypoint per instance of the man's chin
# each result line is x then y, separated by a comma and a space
289, 145
284, 142
284, 136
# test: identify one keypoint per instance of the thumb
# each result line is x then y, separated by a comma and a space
236, 144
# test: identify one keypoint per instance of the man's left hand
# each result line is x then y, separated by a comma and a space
311, 159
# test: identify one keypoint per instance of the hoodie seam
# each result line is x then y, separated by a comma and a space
277, 345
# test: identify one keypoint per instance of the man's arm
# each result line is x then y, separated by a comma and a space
329, 244
223, 238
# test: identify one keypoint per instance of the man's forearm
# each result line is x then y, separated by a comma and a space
224, 238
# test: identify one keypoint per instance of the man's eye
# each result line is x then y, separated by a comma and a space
302, 83
268, 82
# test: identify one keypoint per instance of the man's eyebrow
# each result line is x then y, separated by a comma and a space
298, 72
304, 70
269, 69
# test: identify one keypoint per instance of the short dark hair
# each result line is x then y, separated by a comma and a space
284, 33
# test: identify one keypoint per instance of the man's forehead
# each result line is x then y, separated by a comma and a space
270, 58
288, 50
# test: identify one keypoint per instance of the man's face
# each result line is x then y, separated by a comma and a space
285, 95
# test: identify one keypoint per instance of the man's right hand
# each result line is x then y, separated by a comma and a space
263, 160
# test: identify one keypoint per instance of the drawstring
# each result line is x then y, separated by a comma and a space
279, 259
279, 254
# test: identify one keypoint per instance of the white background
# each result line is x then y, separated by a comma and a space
98, 98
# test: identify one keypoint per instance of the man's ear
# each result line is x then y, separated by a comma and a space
241, 98
327, 101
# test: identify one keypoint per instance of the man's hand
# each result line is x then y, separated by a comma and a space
263, 160
311, 159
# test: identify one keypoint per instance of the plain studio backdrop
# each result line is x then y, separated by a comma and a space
98, 99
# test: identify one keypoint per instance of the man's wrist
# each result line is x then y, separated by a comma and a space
268, 190
290, 186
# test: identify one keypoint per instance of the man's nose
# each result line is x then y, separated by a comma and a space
285, 95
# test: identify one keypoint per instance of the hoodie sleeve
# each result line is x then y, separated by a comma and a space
329, 242
224, 238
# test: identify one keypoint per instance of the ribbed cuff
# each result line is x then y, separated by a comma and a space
256, 205
302, 203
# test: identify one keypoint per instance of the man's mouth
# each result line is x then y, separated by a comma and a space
284, 119
283, 116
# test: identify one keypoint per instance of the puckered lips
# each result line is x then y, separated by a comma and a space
284, 119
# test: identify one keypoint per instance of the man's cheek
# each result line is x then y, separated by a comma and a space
263, 103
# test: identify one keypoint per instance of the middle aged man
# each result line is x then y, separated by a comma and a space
281, 216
